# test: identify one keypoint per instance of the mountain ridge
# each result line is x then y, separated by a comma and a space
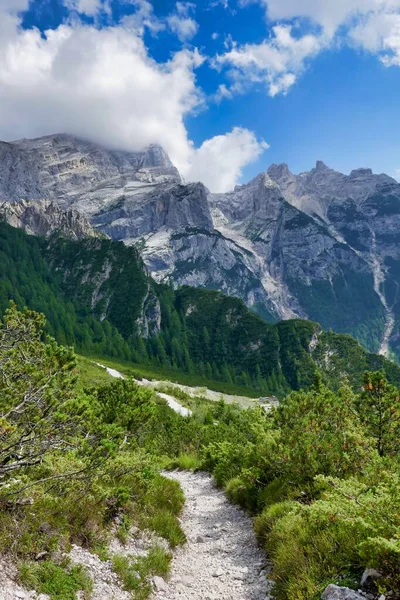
320, 245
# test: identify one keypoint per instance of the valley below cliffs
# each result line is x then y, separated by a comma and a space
320, 245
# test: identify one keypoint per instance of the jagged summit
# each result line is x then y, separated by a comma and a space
278, 170
151, 156
321, 166
75, 172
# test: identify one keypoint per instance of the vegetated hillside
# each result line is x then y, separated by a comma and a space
80, 467
98, 297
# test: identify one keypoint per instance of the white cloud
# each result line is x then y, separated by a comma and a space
101, 84
329, 14
223, 3
185, 8
84, 7
222, 92
380, 34
180, 23
13, 6
184, 28
277, 61
219, 161
143, 18
214, 36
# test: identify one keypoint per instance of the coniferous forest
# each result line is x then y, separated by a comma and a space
127, 316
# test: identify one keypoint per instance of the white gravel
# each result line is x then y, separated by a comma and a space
221, 560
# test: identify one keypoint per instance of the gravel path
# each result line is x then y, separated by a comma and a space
221, 560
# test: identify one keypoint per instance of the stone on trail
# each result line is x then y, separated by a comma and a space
218, 572
160, 584
199, 539
334, 592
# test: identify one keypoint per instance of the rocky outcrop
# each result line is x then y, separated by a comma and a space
334, 592
45, 218
149, 320
314, 191
78, 173
361, 210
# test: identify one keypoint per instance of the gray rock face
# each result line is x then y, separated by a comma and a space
79, 173
319, 245
369, 579
44, 218
334, 592
361, 210
315, 190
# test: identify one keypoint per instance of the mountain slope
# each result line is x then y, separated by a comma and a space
98, 296
320, 245
363, 211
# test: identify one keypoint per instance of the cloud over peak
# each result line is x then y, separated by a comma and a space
102, 84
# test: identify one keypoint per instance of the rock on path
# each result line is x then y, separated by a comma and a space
221, 559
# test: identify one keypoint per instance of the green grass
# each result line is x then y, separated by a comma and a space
135, 573
162, 374
185, 462
175, 391
91, 374
168, 527
60, 582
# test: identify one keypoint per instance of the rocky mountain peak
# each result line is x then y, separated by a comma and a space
155, 156
286, 244
277, 171
321, 166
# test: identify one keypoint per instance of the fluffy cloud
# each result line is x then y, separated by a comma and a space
277, 61
181, 23
380, 34
219, 161
101, 84
329, 14
95, 83
143, 18
185, 28
84, 7
13, 5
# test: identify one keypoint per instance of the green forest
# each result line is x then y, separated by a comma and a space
98, 297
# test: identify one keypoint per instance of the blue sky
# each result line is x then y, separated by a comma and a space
214, 81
